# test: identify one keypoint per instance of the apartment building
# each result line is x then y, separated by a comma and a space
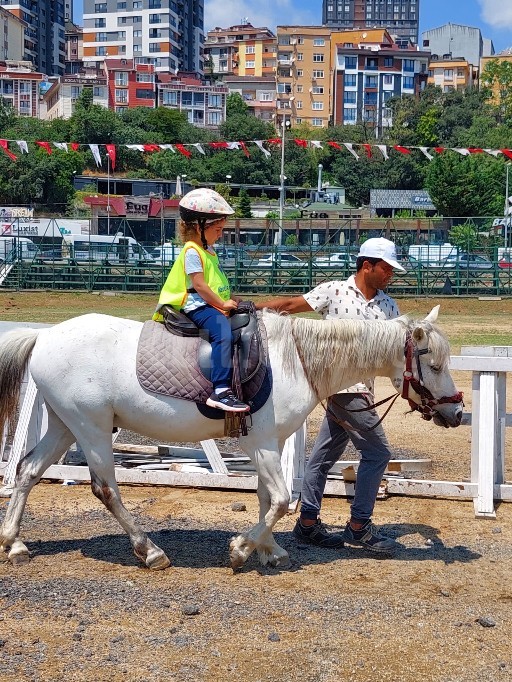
400, 17
240, 50
452, 73
20, 87
258, 93
74, 48
203, 105
167, 34
68, 10
369, 68
59, 101
457, 40
303, 78
129, 84
13, 31
499, 94
44, 41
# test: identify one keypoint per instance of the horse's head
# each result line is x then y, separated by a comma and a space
424, 379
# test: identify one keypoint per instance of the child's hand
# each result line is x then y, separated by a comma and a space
228, 305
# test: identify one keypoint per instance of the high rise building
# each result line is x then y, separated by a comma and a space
44, 32
400, 17
68, 10
240, 50
167, 34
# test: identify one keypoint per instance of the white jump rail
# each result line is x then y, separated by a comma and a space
489, 366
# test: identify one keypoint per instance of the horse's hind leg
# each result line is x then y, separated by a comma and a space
97, 447
54, 443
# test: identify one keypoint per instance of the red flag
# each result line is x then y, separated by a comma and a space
183, 151
151, 148
218, 145
45, 145
5, 147
475, 150
111, 151
439, 150
507, 152
334, 144
74, 146
244, 149
368, 148
401, 149
301, 143
274, 140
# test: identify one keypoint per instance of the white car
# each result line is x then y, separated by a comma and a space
335, 259
282, 260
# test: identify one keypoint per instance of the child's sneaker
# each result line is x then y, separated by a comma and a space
227, 401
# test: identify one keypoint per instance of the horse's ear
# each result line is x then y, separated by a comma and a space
418, 334
432, 316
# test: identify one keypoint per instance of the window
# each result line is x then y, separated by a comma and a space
121, 35
100, 7
97, 91
144, 78
100, 23
299, 88
389, 62
122, 20
387, 95
350, 80
351, 62
318, 42
250, 49
144, 94
214, 118
370, 82
317, 57
408, 83
448, 74
121, 79
122, 96
153, 47
137, 33
137, 47
317, 122
121, 49
137, 20
155, 4
298, 121
349, 97
409, 65
215, 101
300, 56
119, 110
137, 4
75, 91
101, 37
300, 73
101, 51
265, 97
372, 63
169, 98
298, 104
388, 79
154, 19
318, 73
121, 5
317, 90
318, 106
370, 98
250, 64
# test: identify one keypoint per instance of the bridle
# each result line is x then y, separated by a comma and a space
428, 402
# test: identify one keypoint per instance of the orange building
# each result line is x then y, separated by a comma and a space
240, 50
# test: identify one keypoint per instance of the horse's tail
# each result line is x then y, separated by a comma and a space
15, 349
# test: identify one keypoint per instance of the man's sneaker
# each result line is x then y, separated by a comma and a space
369, 538
318, 535
227, 401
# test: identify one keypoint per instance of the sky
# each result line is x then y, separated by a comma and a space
493, 17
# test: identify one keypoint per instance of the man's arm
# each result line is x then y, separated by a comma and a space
286, 304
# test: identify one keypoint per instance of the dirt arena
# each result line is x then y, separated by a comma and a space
85, 610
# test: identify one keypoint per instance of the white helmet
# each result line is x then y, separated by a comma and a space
202, 204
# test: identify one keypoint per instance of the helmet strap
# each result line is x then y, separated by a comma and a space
202, 225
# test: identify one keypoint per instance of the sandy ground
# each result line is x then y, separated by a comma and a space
85, 609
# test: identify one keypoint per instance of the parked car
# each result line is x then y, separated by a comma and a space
468, 261
335, 259
283, 260
49, 255
505, 262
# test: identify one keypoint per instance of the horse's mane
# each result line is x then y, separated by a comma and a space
325, 346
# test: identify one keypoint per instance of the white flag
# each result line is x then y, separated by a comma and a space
167, 146
384, 150
259, 143
350, 148
135, 147
461, 150
199, 147
426, 152
96, 153
61, 145
316, 144
23, 146
493, 152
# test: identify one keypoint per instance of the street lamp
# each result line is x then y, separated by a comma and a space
282, 177
319, 183
228, 179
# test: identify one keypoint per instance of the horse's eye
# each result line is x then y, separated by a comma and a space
435, 368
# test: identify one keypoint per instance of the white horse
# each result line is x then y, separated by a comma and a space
85, 371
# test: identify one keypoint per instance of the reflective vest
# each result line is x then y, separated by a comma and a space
174, 292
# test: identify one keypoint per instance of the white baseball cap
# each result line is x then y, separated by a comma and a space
381, 248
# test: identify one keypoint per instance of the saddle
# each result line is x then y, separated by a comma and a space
174, 359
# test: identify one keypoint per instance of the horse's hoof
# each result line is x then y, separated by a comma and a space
158, 562
19, 558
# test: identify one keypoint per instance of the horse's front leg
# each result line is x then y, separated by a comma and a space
274, 499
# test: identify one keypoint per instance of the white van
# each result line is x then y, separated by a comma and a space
100, 247
17, 248
165, 254
432, 254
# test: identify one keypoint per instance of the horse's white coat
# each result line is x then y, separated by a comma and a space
85, 369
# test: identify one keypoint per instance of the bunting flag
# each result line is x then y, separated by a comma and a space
383, 151
45, 145
239, 145
111, 151
96, 153
5, 146
368, 150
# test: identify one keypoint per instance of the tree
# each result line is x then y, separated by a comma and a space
464, 236
235, 105
243, 209
496, 79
